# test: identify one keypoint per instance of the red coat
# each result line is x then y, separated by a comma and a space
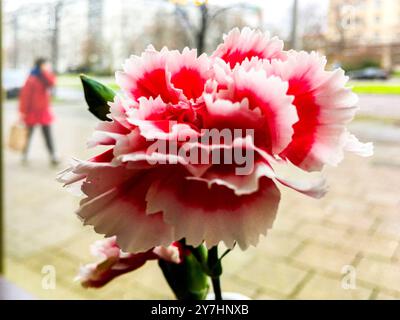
34, 101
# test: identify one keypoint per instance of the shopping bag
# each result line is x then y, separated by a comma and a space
18, 137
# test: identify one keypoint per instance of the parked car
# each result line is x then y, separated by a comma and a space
369, 74
13, 80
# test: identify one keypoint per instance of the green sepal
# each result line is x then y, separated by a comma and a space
187, 279
208, 260
201, 254
97, 96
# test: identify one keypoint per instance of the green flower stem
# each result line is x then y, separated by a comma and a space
214, 264
217, 288
187, 279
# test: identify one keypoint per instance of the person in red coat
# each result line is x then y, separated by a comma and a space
34, 105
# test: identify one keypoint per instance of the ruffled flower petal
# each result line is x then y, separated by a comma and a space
247, 43
213, 214
324, 106
189, 73
115, 206
146, 76
265, 95
355, 146
114, 262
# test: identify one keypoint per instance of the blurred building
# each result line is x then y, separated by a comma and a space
364, 29
364, 21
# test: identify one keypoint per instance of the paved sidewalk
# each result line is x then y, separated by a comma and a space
313, 251
384, 106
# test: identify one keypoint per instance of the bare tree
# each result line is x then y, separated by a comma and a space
222, 25
55, 26
166, 30
311, 27
339, 26
293, 32
93, 45
207, 15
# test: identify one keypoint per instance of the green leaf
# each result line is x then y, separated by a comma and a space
187, 279
97, 96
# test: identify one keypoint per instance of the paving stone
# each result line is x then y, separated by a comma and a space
279, 244
324, 258
32, 281
237, 260
385, 296
235, 284
376, 244
322, 287
262, 295
379, 273
79, 245
385, 199
286, 221
390, 227
321, 233
272, 275
384, 212
351, 217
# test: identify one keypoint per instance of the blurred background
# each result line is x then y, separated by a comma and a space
345, 246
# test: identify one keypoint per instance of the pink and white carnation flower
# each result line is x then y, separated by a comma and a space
113, 262
291, 115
